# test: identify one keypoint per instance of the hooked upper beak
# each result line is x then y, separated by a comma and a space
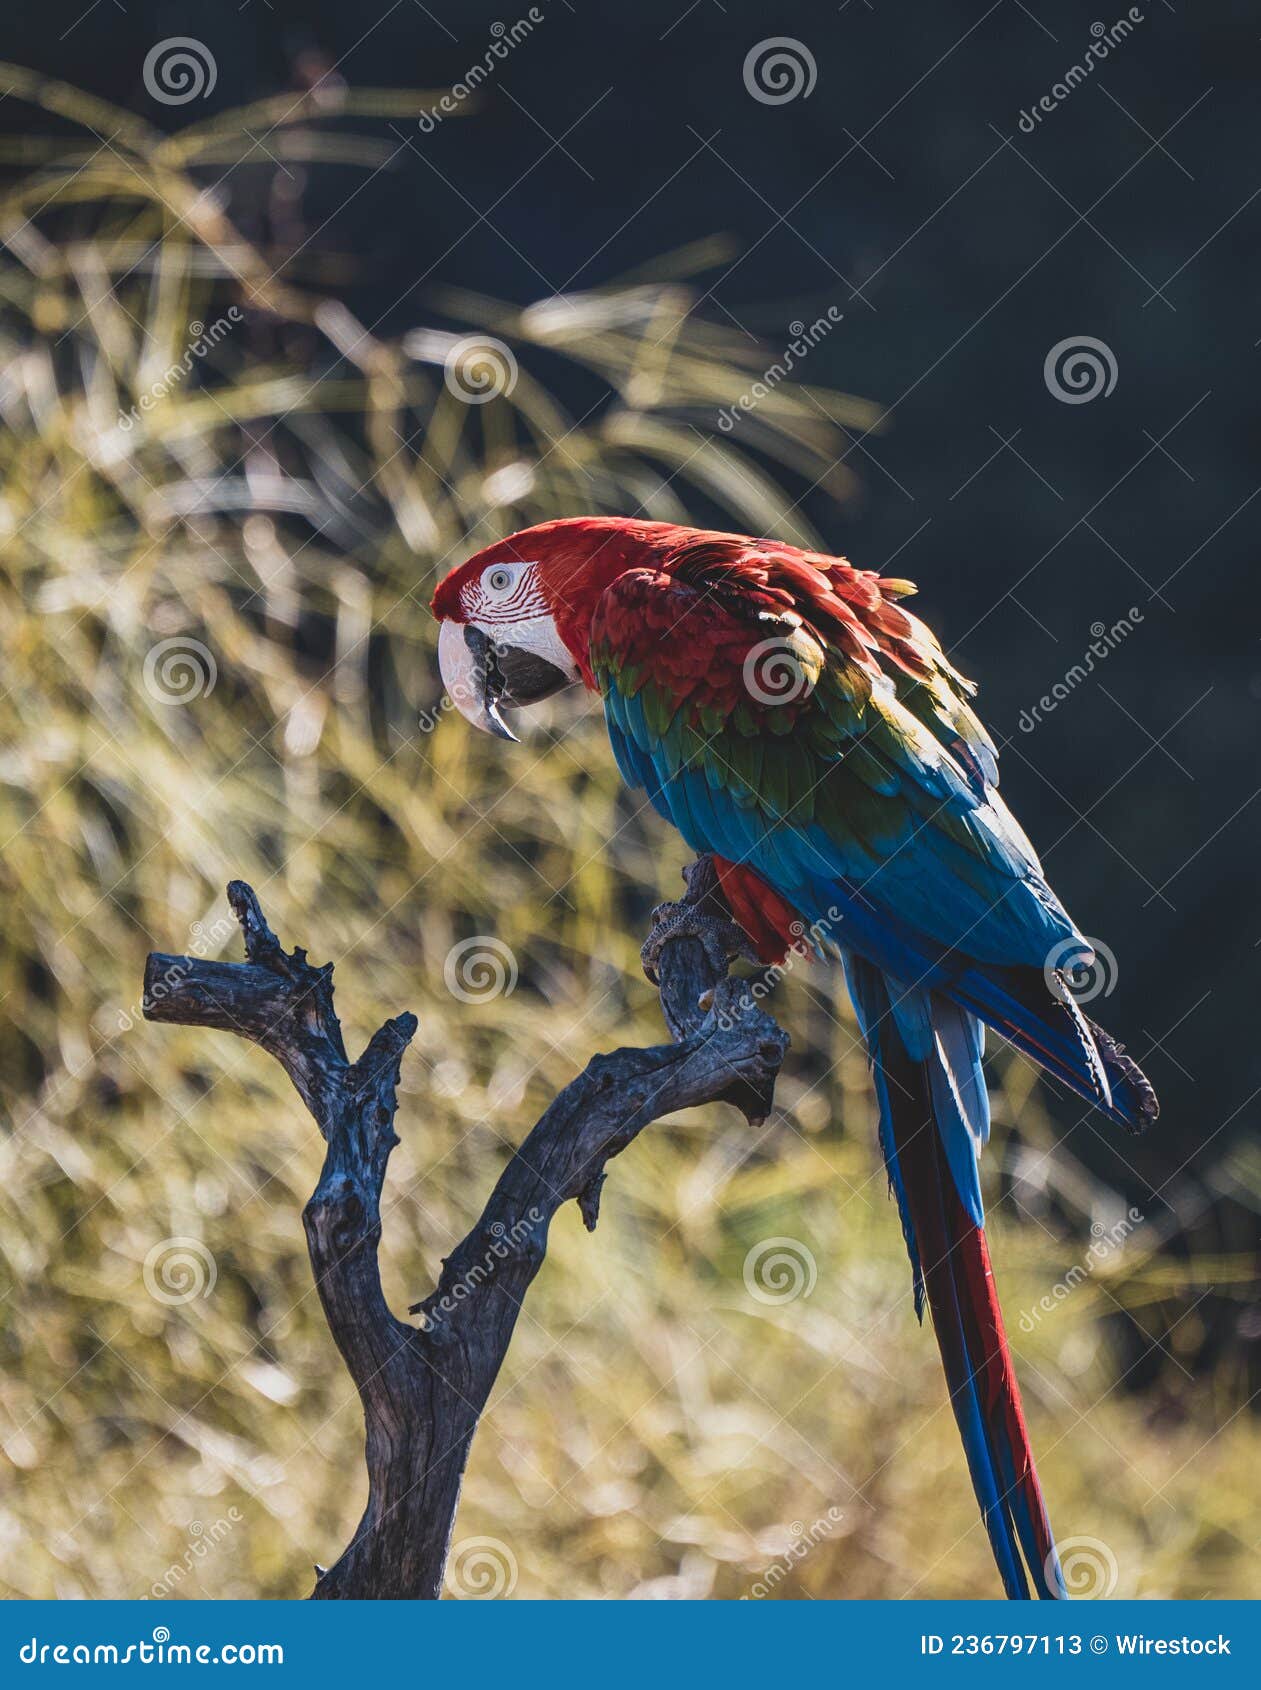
466, 660
480, 676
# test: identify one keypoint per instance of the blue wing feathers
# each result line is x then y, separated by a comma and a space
972, 924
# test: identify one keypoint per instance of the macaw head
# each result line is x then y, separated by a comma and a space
516, 618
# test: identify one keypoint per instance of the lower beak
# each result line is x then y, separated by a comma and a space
466, 660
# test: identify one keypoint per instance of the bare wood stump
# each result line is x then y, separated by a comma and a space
423, 1389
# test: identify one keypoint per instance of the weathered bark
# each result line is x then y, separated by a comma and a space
423, 1390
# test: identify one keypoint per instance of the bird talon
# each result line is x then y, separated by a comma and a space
722, 940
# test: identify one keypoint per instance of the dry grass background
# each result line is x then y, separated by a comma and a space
657, 1429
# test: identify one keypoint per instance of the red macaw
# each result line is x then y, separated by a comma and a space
791, 719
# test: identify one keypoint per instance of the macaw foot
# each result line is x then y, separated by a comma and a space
722, 938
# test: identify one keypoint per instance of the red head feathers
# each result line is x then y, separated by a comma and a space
517, 616
555, 570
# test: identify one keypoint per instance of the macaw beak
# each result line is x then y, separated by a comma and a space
480, 676
466, 661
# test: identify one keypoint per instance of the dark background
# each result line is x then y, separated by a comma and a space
960, 250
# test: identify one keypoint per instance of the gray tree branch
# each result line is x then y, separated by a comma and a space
423, 1389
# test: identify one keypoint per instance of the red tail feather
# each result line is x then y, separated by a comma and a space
968, 1324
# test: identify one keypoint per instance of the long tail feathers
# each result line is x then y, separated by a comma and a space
934, 1117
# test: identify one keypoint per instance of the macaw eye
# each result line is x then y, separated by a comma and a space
498, 580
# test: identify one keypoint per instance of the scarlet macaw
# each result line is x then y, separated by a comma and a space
790, 718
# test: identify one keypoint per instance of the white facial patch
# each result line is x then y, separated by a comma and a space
506, 603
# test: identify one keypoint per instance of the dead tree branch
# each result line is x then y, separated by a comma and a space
423, 1390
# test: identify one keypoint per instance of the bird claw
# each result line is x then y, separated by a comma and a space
722, 940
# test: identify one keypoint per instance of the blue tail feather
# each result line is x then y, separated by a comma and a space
934, 1117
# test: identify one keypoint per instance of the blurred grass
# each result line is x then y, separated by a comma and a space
287, 505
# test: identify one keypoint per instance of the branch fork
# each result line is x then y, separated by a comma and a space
423, 1389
